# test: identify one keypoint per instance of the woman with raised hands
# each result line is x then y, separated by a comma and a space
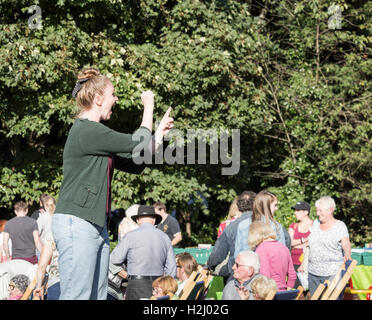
91, 153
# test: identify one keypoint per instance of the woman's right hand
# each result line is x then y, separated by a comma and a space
39, 292
147, 98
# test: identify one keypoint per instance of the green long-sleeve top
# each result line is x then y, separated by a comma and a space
89, 145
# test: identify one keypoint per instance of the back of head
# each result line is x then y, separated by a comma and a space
21, 206
42, 197
261, 286
261, 206
258, 232
188, 262
91, 83
245, 201
167, 283
251, 259
234, 210
325, 202
49, 204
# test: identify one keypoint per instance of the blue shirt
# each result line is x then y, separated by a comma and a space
241, 241
146, 251
225, 244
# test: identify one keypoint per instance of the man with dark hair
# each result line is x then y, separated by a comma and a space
225, 244
24, 233
168, 224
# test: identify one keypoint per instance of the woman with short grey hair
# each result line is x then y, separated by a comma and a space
329, 244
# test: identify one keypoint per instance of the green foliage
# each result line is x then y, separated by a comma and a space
298, 91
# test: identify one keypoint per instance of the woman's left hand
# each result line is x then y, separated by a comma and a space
165, 125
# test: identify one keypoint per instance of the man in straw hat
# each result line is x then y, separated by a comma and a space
147, 253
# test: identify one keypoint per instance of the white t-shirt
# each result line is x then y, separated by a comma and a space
326, 253
44, 223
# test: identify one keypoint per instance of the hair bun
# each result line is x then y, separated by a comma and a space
88, 73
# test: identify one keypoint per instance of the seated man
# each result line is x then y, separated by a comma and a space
186, 264
245, 269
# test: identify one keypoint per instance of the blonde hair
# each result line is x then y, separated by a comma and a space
258, 232
261, 286
95, 85
234, 210
49, 204
167, 283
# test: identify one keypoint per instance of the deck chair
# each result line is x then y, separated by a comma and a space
167, 297
29, 289
193, 287
318, 292
32, 286
339, 281
331, 290
294, 294
207, 277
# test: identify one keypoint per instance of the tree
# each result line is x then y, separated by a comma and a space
298, 91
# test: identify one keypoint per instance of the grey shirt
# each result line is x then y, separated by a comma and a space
230, 292
20, 231
146, 251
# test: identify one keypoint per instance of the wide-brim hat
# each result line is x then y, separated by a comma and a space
301, 205
147, 211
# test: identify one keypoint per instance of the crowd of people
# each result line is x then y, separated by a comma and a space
143, 264
65, 244
257, 245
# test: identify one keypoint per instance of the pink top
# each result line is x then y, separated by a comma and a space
276, 263
296, 252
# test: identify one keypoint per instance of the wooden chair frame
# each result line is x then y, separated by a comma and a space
194, 280
331, 290
272, 294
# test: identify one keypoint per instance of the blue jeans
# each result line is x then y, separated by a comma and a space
84, 253
54, 292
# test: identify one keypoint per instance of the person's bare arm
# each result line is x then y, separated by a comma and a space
346, 246
38, 243
45, 256
5, 244
147, 98
177, 239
